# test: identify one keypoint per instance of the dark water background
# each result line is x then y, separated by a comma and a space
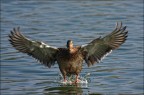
54, 22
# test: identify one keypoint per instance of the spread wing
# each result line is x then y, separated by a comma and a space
39, 50
97, 49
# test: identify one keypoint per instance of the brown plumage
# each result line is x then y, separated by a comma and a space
70, 59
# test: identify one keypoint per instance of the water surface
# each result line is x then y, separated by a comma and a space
54, 22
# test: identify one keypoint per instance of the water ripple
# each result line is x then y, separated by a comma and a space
54, 22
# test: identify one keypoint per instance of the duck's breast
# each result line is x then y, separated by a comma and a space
70, 62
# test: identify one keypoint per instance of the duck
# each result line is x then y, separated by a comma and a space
70, 60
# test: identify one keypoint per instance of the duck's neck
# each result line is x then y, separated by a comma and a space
72, 50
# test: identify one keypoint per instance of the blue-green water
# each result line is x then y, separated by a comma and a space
54, 22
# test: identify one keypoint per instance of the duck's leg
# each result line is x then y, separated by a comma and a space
77, 80
64, 76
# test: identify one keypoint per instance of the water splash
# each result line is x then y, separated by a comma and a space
71, 79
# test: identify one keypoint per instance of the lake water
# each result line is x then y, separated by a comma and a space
56, 21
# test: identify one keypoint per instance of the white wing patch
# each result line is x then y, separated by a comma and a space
45, 45
106, 55
84, 45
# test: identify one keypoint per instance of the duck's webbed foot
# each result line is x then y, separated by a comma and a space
77, 80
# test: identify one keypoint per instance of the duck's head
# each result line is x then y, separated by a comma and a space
69, 44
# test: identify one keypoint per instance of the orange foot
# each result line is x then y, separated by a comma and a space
65, 80
77, 81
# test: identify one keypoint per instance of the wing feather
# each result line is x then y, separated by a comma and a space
97, 49
42, 52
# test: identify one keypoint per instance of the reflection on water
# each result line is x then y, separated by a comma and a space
54, 22
64, 90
